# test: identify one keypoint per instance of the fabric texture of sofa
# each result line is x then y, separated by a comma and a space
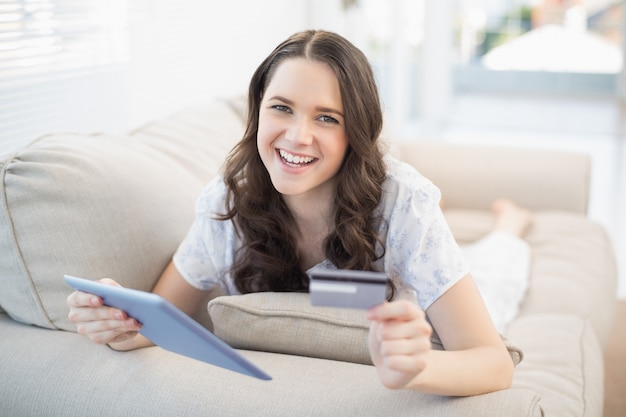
117, 206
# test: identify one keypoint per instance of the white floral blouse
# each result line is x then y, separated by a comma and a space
420, 251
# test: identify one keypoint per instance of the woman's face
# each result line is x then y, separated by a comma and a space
301, 137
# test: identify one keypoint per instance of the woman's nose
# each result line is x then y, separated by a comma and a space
300, 132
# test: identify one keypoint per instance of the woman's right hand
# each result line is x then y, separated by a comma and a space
101, 324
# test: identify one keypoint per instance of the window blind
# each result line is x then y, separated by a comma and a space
47, 49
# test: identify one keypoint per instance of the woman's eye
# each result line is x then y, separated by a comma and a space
329, 119
281, 107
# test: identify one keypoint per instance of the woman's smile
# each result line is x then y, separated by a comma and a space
295, 160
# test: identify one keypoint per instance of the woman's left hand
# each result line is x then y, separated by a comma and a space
399, 342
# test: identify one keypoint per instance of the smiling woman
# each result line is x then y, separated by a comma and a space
308, 187
297, 101
292, 124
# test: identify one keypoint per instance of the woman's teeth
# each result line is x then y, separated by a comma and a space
295, 159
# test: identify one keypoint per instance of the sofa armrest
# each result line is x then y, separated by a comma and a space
471, 177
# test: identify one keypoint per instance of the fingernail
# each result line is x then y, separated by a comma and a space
118, 315
95, 301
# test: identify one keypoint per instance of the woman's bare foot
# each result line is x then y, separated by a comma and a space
511, 218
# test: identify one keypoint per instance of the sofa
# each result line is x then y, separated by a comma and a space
102, 205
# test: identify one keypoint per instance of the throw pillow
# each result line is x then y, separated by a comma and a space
287, 323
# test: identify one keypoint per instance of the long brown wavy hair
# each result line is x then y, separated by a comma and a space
269, 259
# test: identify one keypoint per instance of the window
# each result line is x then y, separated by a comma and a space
45, 43
547, 46
391, 34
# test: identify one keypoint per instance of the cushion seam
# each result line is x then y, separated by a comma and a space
534, 404
16, 245
583, 366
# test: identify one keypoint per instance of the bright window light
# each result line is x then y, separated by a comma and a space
47, 36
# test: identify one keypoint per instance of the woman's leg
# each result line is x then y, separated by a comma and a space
500, 262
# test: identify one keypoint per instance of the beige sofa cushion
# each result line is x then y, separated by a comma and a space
562, 363
154, 382
573, 267
92, 206
287, 323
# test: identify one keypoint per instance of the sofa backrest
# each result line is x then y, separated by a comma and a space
103, 206
473, 176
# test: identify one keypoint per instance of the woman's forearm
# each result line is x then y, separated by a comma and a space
468, 372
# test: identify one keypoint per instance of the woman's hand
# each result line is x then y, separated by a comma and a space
98, 322
399, 342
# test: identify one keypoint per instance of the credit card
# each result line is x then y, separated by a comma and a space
347, 288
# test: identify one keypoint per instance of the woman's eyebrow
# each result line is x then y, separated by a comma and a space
281, 98
329, 110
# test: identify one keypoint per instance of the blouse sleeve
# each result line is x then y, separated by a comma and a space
420, 250
204, 257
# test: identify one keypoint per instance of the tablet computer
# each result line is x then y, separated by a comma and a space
169, 327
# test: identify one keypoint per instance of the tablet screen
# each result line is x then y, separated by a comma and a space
169, 327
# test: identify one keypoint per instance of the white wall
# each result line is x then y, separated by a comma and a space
181, 52
189, 51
